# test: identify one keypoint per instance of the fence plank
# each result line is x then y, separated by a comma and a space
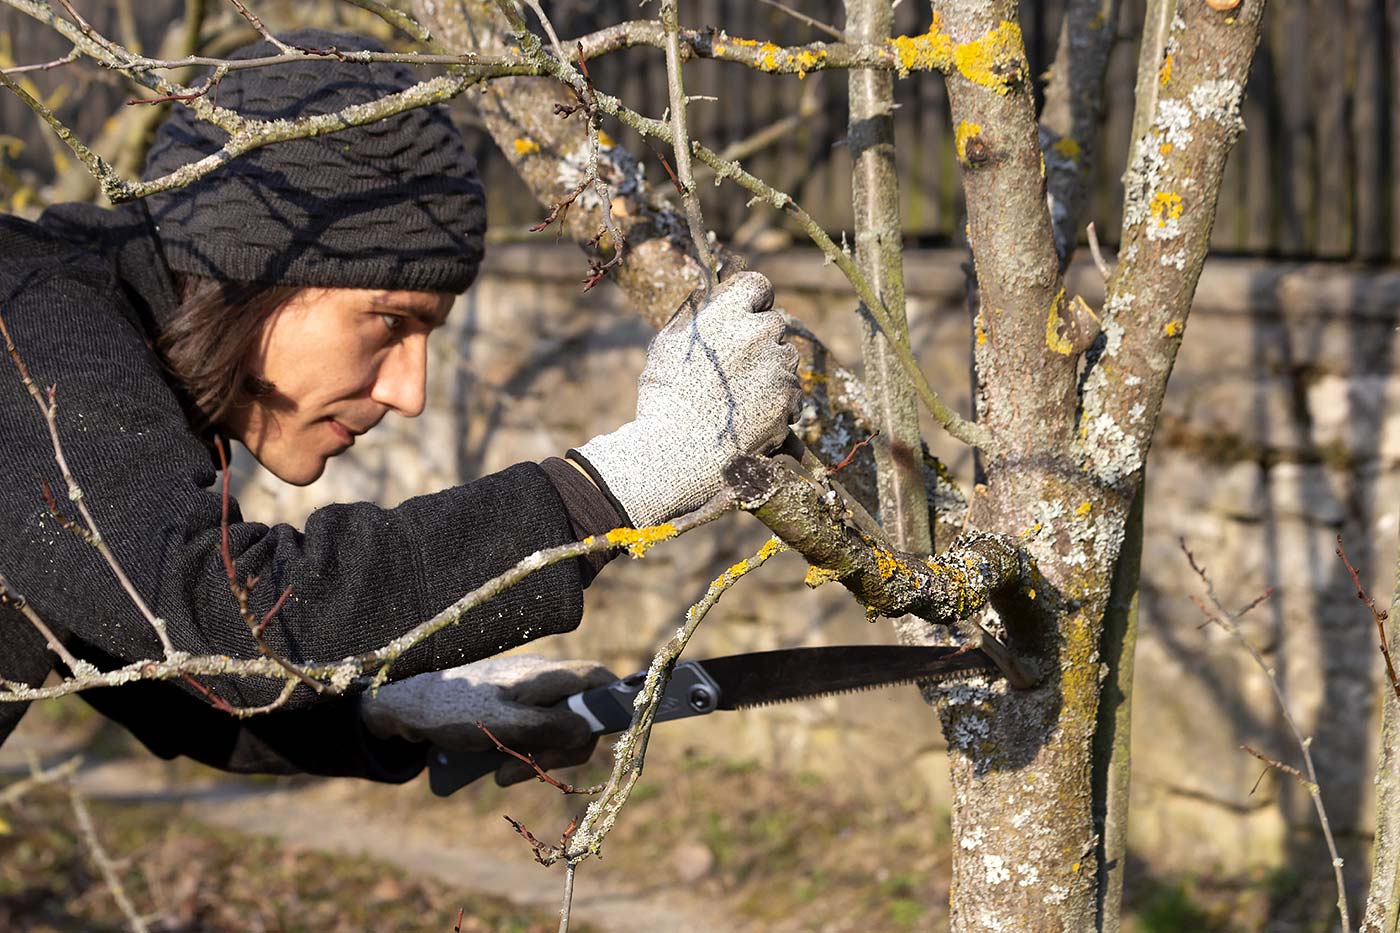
1392, 17
1368, 103
1297, 193
1260, 144
1332, 143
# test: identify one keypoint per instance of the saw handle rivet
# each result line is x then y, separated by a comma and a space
700, 698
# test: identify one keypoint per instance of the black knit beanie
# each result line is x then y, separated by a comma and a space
395, 204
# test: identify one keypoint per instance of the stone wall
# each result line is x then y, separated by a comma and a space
1276, 440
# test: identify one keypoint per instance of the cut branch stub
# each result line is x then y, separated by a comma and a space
941, 590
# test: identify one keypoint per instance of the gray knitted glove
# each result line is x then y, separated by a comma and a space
513, 696
718, 382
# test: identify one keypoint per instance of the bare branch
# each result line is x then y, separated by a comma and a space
1094, 250
40, 777
1378, 615
804, 18
48, 408
680, 144
257, 24
540, 774
944, 591
904, 510
1226, 620
103, 860
45, 66
629, 752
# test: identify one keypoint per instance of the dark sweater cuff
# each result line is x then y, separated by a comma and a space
590, 511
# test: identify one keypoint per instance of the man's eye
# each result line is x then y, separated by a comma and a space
393, 322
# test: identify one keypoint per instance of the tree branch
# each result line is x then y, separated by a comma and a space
1226, 620
48, 407
680, 144
629, 751
945, 590
904, 505
1188, 125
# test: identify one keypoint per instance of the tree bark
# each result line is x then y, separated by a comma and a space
904, 502
1383, 901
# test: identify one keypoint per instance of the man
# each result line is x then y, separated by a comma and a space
285, 301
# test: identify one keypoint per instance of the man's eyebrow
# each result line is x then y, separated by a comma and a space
428, 315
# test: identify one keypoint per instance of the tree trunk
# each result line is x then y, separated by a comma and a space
1383, 901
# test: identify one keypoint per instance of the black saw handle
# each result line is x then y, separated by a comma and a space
607, 709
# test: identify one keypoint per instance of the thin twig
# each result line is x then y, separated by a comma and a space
567, 906
40, 777
629, 751
339, 675
1285, 768
801, 17
1097, 253
846, 461
538, 10
1379, 615
45, 66
103, 861
540, 774
48, 408
252, 18
243, 591
10, 597
1227, 621
680, 144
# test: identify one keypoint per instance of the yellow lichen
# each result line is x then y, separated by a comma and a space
807, 59
932, 50
966, 130
885, 562
1053, 339
1085, 508
640, 540
816, 576
1173, 328
981, 333
1031, 593
1164, 74
768, 56
1165, 148
1069, 148
605, 140
526, 146
1166, 205
996, 61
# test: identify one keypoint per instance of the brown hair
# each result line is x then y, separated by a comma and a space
209, 340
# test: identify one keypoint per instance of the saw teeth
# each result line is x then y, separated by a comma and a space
946, 677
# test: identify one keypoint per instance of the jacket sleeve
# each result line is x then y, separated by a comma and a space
359, 574
327, 738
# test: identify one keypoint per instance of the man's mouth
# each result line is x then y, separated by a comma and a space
347, 436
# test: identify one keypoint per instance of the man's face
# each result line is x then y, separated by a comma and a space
338, 359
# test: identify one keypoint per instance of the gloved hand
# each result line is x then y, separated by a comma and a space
513, 696
718, 382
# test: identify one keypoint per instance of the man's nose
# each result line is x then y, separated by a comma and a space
402, 382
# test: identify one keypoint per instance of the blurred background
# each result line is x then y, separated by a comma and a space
1280, 433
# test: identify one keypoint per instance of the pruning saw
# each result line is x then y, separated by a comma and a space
734, 682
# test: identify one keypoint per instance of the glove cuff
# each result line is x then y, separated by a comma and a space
577, 457
651, 481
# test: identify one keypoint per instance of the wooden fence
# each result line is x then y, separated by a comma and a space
1316, 173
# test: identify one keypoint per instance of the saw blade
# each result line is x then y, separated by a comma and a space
761, 678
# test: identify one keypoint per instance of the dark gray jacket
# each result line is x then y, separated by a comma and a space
80, 292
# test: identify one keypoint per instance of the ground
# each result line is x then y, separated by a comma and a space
706, 845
